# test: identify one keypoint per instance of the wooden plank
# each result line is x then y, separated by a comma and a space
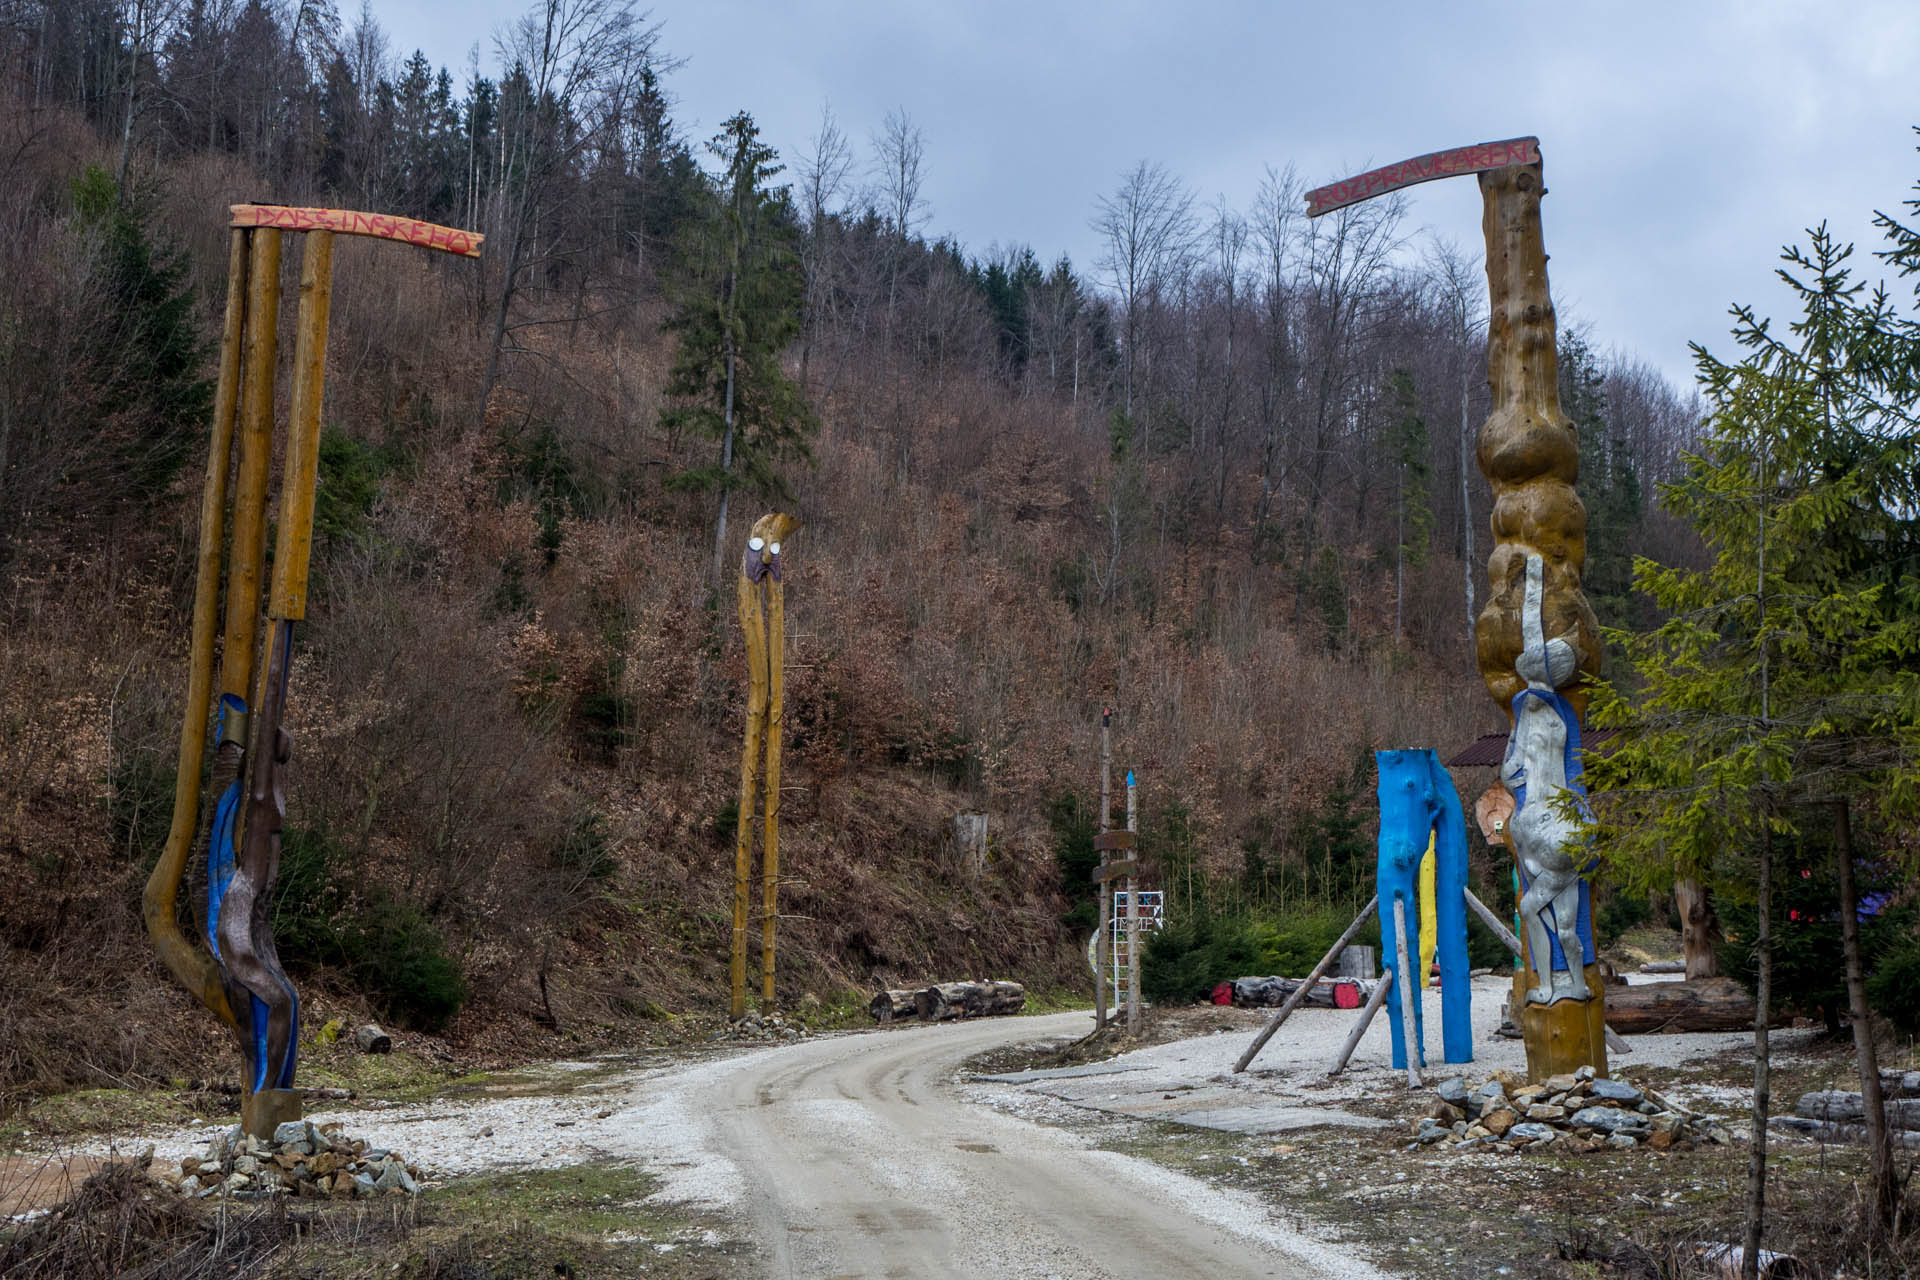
1436, 164
349, 222
1115, 871
1113, 841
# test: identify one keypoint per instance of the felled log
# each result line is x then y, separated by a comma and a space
372, 1039
1836, 1131
891, 1005
1838, 1105
945, 1001
1327, 993
1705, 1004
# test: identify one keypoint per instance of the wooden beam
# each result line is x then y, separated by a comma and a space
348, 222
1436, 164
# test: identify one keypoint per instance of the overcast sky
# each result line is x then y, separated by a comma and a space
1684, 142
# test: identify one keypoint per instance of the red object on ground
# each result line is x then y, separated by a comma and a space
1346, 995
1223, 994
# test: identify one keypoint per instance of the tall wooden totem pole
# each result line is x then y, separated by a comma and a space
239, 976
1537, 640
763, 624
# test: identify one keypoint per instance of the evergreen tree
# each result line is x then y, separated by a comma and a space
1412, 511
737, 295
1783, 686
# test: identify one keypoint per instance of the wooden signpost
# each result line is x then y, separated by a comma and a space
1125, 871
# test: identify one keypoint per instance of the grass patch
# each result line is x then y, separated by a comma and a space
84, 1112
588, 1220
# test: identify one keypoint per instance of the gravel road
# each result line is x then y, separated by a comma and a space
859, 1156
858, 1159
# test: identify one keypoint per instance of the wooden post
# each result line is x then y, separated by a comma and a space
1409, 991
195, 969
241, 980
1133, 915
1102, 947
246, 559
753, 628
1531, 458
1374, 1002
776, 700
1300, 993
293, 546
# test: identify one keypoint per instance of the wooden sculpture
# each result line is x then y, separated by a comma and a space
239, 976
763, 622
1530, 457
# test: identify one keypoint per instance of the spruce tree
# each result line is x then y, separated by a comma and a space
737, 294
1783, 687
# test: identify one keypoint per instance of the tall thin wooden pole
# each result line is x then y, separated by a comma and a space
776, 696
293, 547
1102, 941
1133, 914
1409, 991
752, 625
195, 969
247, 559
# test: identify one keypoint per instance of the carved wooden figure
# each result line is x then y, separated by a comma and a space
762, 600
239, 976
1530, 457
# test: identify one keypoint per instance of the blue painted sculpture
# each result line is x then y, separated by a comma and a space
1418, 803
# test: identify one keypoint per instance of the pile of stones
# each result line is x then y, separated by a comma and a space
1573, 1112
752, 1026
301, 1159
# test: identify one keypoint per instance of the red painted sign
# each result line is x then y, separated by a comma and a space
382, 226
1440, 164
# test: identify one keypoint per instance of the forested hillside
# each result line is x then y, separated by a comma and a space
1219, 478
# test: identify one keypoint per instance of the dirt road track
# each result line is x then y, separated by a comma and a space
861, 1161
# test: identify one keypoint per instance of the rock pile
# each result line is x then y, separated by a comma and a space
302, 1159
751, 1026
1573, 1112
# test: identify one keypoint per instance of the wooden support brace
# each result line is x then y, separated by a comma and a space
1293, 1001
1374, 1001
1409, 992
1493, 922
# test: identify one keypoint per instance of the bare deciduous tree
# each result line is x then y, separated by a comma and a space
1148, 228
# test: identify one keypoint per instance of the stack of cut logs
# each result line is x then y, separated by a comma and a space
1836, 1115
1326, 993
947, 1000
